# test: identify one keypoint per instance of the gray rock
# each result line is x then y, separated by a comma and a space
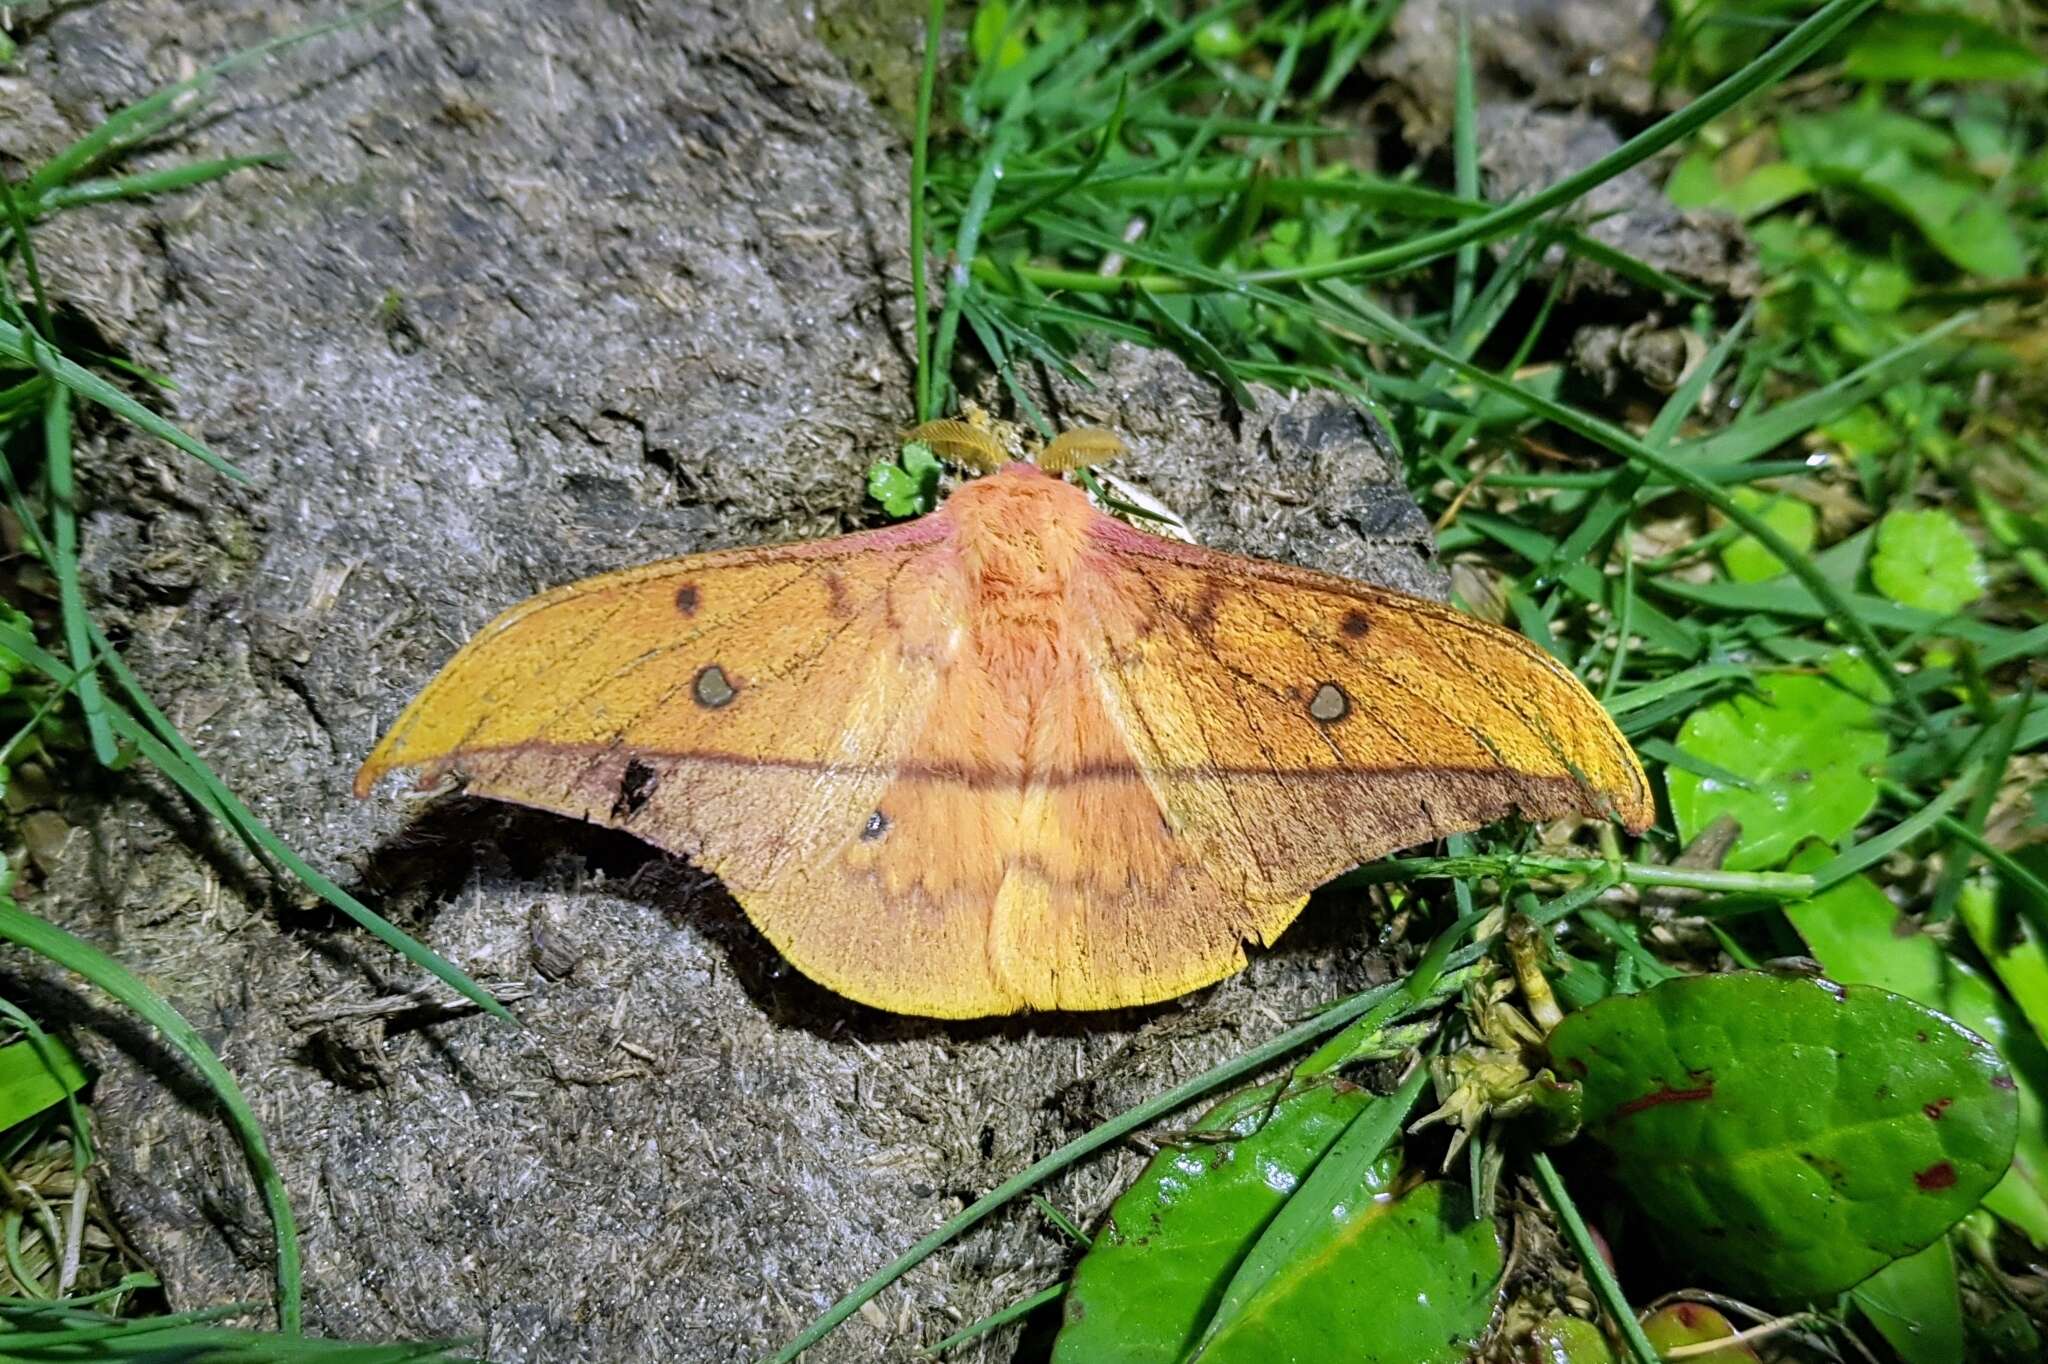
1600, 54
549, 289
1523, 150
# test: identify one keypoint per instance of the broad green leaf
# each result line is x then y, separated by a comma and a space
1705, 181
1863, 432
1936, 47
1916, 1306
994, 41
2009, 943
28, 1084
1805, 747
1158, 1268
1901, 162
1746, 560
1859, 937
1356, 1164
1790, 1137
1390, 1280
1924, 559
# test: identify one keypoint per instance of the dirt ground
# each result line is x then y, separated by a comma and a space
546, 289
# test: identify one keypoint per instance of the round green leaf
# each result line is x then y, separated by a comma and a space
1568, 1340
1792, 764
1859, 937
1408, 1280
1790, 1137
1158, 1268
1925, 559
1746, 560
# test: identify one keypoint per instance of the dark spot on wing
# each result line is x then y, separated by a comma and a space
636, 786
1202, 620
877, 825
1355, 624
836, 600
687, 599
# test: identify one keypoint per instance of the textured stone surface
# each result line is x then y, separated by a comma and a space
1600, 54
549, 289
1558, 84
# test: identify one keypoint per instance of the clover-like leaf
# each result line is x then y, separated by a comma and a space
1746, 560
910, 488
1925, 559
1790, 1137
1792, 763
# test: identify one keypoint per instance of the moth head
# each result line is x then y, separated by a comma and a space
971, 444
984, 445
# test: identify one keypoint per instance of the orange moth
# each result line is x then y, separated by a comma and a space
1015, 754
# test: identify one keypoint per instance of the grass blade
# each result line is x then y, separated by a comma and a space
1795, 47
153, 113
1800, 565
109, 189
1612, 1299
1956, 869
1111, 132
920, 169
159, 741
18, 345
1745, 440
76, 955
1465, 163
92, 700
1023, 1307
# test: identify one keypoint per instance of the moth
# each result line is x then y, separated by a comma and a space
1015, 754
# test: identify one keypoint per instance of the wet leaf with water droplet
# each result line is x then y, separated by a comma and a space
1805, 747
1401, 1280
1160, 1264
1925, 559
1790, 1137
